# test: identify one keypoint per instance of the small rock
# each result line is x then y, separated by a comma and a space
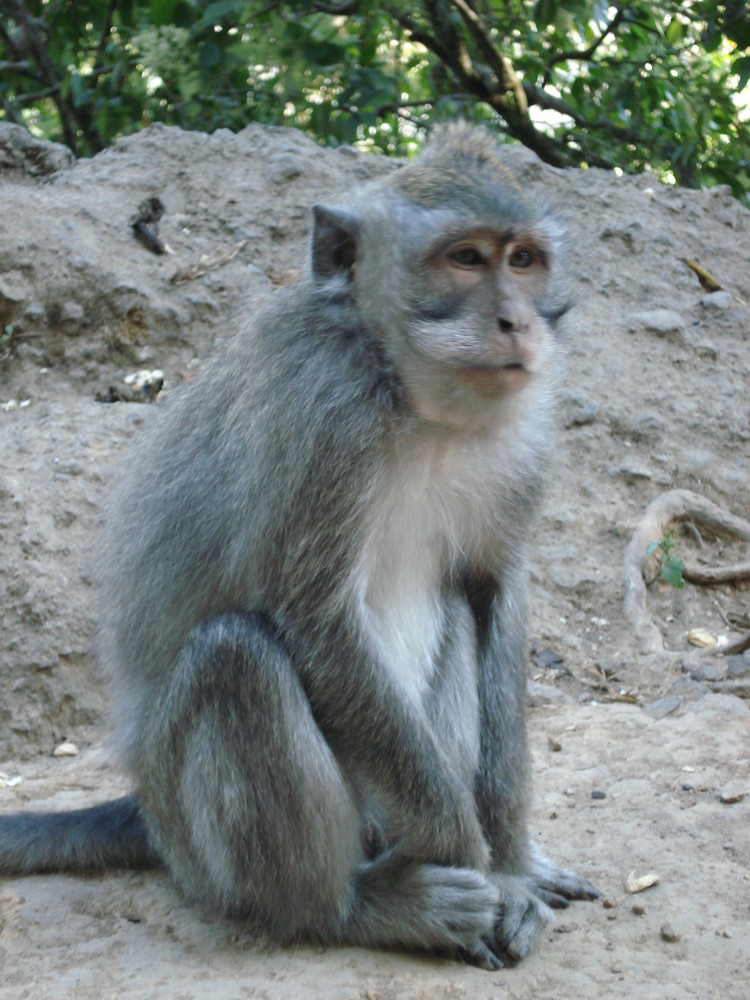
712, 670
578, 409
734, 791
717, 300
663, 706
565, 928
639, 909
631, 234
71, 317
722, 933
554, 745
668, 933
285, 167
662, 322
738, 665
633, 472
540, 694
14, 288
65, 750
597, 793
608, 903
547, 657
646, 426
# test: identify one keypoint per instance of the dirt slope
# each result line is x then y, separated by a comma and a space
657, 397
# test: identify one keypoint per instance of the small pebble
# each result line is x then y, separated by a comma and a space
597, 793
554, 745
608, 903
639, 909
65, 750
668, 933
722, 933
733, 792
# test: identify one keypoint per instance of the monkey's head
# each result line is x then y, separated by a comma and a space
452, 268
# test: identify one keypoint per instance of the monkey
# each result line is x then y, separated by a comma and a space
314, 587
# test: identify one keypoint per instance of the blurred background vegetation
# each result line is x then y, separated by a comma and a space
626, 86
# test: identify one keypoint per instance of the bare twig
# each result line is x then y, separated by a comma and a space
208, 262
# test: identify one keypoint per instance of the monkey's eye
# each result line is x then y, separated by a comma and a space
522, 257
467, 257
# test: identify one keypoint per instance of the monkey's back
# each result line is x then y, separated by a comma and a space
240, 494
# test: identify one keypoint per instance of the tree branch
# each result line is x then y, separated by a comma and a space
499, 63
47, 68
102, 46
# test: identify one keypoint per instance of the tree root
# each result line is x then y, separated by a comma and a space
716, 574
675, 505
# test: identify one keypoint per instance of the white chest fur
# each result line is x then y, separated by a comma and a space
439, 505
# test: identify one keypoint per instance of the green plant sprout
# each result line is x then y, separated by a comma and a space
671, 565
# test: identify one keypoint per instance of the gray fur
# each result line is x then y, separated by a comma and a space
314, 606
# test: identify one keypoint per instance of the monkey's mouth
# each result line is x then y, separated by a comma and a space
493, 379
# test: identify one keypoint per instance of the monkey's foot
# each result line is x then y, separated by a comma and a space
428, 906
527, 901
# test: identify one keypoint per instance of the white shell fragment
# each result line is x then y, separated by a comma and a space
143, 378
637, 883
703, 638
65, 750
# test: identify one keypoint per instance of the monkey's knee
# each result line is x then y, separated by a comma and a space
243, 794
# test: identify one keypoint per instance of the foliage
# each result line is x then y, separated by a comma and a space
628, 85
671, 566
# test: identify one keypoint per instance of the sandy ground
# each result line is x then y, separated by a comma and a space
656, 398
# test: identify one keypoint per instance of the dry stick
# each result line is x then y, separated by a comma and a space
674, 505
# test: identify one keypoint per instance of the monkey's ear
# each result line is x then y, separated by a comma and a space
334, 242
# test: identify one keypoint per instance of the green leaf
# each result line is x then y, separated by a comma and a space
545, 12
209, 54
671, 573
741, 66
163, 11
78, 90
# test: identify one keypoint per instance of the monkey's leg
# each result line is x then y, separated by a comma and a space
247, 804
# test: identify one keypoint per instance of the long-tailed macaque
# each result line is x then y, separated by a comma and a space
314, 604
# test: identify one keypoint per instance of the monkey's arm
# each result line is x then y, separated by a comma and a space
502, 781
502, 784
368, 720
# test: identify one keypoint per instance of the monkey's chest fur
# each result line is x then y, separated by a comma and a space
437, 512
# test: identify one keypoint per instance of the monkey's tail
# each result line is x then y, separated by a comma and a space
108, 835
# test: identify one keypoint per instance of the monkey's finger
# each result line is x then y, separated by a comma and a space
554, 899
567, 884
512, 917
481, 955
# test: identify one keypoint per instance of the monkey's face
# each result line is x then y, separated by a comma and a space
476, 338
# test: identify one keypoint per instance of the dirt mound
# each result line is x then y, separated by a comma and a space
656, 399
